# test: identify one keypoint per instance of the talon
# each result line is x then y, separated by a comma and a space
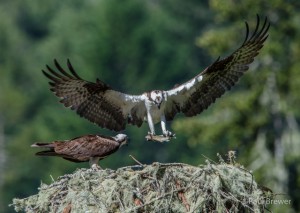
151, 134
95, 167
168, 134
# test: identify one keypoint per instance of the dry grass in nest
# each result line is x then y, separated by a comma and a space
172, 187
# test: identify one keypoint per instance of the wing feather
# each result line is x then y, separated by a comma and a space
82, 148
199, 93
97, 102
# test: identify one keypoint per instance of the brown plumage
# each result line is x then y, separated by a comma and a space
112, 109
90, 148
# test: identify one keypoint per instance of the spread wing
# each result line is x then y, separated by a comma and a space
97, 102
82, 148
196, 95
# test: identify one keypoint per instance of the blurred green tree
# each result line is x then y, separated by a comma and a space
260, 116
139, 45
145, 44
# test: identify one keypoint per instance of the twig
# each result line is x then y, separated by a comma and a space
67, 208
137, 197
141, 166
182, 197
122, 206
138, 162
82, 176
172, 164
237, 200
208, 159
52, 178
151, 201
133, 167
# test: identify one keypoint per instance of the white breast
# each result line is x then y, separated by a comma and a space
154, 111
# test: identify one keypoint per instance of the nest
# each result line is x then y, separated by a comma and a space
172, 187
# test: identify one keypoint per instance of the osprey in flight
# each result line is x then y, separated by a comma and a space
111, 109
90, 148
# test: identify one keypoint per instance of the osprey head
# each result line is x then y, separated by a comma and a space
157, 97
122, 139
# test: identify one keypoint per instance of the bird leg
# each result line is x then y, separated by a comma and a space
94, 163
166, 133
150, 123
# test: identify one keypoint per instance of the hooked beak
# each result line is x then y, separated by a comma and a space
158, 105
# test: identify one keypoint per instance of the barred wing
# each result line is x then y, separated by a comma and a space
97, 102
84, 147
197, 94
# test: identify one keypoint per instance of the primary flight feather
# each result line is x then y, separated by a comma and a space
111, 109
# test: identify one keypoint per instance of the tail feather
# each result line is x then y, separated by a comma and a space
46, 145
47, 153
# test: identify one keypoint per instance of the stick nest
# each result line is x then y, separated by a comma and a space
173, 187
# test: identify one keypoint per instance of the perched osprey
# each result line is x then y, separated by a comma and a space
90, 148
111, 109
